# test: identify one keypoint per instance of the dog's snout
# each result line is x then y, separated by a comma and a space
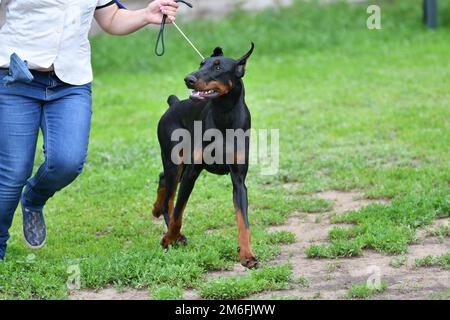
190, 80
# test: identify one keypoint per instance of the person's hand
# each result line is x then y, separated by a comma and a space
158, 8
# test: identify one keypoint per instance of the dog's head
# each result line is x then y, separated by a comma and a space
217, 75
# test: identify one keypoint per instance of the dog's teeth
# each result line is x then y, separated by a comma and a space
196, 93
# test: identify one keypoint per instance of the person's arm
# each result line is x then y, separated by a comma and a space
122, 22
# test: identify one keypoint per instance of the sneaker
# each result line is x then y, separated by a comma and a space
2, 251
34, 229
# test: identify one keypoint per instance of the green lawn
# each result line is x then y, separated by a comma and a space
356, 109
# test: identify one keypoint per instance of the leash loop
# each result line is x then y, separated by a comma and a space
160, 47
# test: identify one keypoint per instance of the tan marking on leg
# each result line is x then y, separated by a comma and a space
173, 233
175, 226
245, 249
161, 195
167, 240
173, 230
157, 206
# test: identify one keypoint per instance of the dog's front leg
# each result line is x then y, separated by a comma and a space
238, 175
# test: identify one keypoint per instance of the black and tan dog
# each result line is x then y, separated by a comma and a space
217, 102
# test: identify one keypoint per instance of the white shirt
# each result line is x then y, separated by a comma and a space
49, 32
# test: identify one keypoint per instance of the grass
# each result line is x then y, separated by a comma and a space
442, 261
385, 228
333, 266
398, 261
363, 291
168, 293
304, 282
441, 231
439, 295
268, 278
281, 237
356, 109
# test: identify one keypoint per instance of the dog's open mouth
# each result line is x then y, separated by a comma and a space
201, 95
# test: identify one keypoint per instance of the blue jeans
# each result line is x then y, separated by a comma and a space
63, 113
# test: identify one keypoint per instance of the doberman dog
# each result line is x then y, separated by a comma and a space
217, 103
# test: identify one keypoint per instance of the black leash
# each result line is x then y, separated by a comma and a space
160, 40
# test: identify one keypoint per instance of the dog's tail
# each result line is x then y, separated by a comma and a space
172, 100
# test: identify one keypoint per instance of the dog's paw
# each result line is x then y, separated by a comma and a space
181, 240
248, 260
165, 242
250, 263
157, 212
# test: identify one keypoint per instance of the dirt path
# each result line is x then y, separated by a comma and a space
110, 294
331, 278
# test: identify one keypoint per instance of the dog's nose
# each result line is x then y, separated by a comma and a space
190, 80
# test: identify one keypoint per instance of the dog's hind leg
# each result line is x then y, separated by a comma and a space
187, 185
161, 194
172, 175
170, 180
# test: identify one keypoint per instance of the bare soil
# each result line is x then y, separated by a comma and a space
110, 294
331, 278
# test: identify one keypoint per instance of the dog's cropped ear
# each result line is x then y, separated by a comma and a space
242, 62
218, 52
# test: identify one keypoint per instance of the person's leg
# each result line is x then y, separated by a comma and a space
66, 126
19, 129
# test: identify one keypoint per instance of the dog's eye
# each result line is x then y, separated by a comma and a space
218, 68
